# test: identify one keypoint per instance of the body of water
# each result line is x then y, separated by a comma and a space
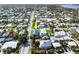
71, 6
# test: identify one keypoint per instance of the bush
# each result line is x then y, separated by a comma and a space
59, 50
8, 50
63, 43
38, 51
37, 43
51, 51
75, 49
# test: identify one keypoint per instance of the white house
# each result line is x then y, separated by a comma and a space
56, 44
26, 20
59, 33
53, 39
1, 30
41, 25
22, 32
12, 44
77, 30
67, 38
45, 44
19, 20
9, 25
72, 43
2, 39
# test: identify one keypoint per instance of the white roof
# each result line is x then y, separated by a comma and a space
41, 23
1, 20
19, 25
1, 30
2, 39
73, 28
77, 30
43, 30
53, 19
0, 45
26, 19
60, 33
35, 15
45, 44
22, 32
56, 44
37, 20
54, 38
49, 19
10, 19
59, 28
72, 43
19, 19
67, 18
9, 25
67, 38
62, 24
59, 38
12, 44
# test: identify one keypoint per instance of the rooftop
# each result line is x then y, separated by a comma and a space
60, 33
12, 44
72, 43
56, 44
45, 44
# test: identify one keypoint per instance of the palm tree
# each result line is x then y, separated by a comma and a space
37, 43
63, 43
25, 38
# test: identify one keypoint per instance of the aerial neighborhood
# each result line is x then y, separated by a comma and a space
39, 29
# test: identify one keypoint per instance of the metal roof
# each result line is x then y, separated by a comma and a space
45, 44
12, 44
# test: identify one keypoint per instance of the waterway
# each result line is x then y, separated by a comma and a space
71, 6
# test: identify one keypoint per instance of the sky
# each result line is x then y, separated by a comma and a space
39, 1
71, 5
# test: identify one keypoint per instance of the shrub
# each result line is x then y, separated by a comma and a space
59, 50
37, 43
63, 43
51, 51
39, 51
75, 49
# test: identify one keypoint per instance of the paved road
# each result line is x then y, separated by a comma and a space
75, 40
25, 47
